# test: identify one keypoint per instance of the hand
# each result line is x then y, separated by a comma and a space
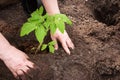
19, 65
64, 39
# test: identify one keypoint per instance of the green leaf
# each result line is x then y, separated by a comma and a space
50, 18
46, 24
42, 24
40, 34
44, 46
35, 13
52, 43
45, 16
40, 10
68, 21
35, 18
35, 22
53, 28
63, 18
51, 49
27, 28
61, 26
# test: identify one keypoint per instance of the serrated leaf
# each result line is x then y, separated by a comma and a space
35, 22
46, 24
40, 10
64, 18
51, 49
44, 46
61, 26
40, 34
36, 17
50, 18
68, 21
53, 28
27, 28
45, 16
52, 43
36, 12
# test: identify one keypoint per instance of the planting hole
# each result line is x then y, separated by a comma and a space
106, 11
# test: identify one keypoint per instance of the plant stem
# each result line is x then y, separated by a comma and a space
38, 48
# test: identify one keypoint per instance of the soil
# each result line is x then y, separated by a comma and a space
95, 33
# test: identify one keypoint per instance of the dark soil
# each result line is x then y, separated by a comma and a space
95, 33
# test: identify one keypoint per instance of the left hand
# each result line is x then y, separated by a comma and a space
64, 40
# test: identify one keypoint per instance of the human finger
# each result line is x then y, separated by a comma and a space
70, 43
20, 75
65, 47
30, 74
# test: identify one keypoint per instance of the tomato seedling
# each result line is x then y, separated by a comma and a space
42, 24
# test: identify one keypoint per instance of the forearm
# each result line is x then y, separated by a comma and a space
6, 49
4, 45
51, 6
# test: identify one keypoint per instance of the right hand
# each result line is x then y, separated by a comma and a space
64, 39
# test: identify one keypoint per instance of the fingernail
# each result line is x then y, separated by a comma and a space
73, 47
68, 52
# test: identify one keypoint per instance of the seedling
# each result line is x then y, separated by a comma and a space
42, 24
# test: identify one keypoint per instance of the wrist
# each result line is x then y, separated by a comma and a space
51, 6
5, 52
53, 12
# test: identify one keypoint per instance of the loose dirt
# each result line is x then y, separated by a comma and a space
95, 33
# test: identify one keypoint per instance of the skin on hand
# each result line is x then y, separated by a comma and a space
17, 61
52, 8
19, 65
64, 39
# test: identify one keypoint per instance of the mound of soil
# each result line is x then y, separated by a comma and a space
95, 33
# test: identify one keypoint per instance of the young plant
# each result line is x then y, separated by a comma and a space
42, 24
